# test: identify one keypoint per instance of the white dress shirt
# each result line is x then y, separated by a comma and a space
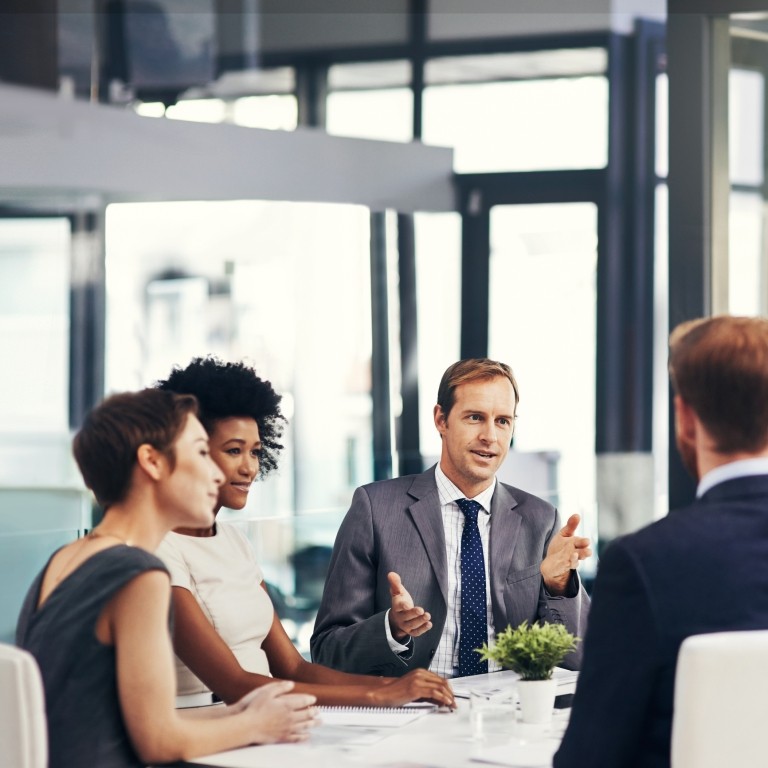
730, 471
446, 659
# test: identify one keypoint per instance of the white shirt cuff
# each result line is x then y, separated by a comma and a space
394, 645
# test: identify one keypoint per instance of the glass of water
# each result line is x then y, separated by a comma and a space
492, 715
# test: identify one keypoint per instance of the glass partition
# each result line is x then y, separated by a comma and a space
42, 501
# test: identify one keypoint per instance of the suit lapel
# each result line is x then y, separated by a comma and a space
505, 528
426, 515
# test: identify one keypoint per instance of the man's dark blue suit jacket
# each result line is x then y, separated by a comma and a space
703, 568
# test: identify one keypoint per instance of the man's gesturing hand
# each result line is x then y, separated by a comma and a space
405, 618
563, 555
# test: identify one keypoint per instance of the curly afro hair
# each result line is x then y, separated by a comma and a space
224, 390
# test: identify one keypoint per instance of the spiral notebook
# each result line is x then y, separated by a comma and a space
374, 717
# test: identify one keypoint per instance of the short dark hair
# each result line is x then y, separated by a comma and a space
471, 369
106, 446
719, 366
226, 390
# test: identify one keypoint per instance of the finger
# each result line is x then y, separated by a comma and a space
299, 701
416, 621
411, 613
570, 527
395, 584
401, 604
418, 632
268, 691
579, 542
305, 719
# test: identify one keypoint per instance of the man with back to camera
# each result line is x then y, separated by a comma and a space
703, 568
427, 567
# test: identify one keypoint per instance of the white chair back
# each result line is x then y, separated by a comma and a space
721, 700
23, 731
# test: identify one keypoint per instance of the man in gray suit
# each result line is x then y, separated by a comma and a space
393, 595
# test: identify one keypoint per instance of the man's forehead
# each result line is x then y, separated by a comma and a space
485, 394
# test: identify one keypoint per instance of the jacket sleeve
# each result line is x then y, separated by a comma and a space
349, 630
571, 609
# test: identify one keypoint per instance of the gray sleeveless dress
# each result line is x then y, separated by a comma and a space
85, 723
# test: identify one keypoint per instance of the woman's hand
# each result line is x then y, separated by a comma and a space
417, 684
277, 715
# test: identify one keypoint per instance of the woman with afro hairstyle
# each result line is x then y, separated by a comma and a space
227, 637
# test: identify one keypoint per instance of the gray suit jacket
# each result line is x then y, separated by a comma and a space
397, 525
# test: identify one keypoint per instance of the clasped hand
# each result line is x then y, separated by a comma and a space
563, 555
276, 713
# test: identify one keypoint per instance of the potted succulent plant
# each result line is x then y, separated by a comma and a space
533, 651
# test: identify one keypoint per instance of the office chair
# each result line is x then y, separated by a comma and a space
23, 731
721, 706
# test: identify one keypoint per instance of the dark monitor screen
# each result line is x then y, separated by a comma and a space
162, 45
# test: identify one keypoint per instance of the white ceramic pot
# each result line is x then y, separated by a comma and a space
537, 700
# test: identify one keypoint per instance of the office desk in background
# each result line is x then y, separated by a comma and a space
437, 740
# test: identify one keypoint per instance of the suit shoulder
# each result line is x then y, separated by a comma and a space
397, 486
527, 500
660, 539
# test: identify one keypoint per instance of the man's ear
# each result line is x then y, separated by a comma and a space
441, 421
150, 460
685, 420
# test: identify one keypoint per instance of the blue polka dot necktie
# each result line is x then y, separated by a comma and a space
473, 631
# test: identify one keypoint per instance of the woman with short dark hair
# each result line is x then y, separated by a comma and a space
96, 617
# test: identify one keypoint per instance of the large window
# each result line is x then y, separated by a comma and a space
519, 112
543, 323
438, 278
746, 253
34, 324
371, 100
42, 503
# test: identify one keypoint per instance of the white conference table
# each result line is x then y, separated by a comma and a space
438, 738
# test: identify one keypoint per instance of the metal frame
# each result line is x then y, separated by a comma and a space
699, 55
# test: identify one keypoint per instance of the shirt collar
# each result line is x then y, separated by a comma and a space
730, 471
448, 492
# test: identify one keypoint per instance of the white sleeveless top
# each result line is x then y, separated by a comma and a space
222, 573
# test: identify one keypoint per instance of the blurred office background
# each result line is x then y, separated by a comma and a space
350, 196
